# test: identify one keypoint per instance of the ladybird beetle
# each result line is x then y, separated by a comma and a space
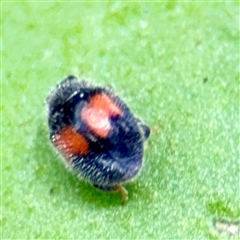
96, 133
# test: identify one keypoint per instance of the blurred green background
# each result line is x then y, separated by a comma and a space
176, 64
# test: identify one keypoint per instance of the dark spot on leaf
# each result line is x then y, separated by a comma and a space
205, 80
220, 208
51, 191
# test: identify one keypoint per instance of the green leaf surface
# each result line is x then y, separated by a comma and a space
176, 64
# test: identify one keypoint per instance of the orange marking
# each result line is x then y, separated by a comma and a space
106, 104
69, 142
96, 114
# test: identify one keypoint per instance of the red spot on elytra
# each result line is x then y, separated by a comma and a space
69, 142
106, 104
97, 112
